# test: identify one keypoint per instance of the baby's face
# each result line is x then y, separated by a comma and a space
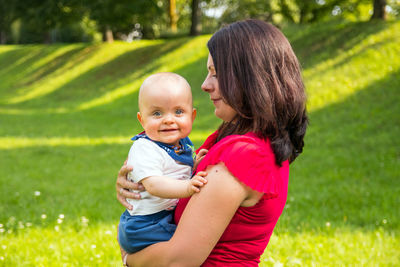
166, 112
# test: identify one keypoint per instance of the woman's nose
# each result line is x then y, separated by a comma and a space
206, 86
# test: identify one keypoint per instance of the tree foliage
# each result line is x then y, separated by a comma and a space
237, 9
47, 20
8, 14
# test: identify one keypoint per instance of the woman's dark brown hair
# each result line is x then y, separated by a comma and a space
260, 78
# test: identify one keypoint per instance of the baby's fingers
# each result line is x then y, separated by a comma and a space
202, 174
195, 189
202, 153
198, 181
202, 180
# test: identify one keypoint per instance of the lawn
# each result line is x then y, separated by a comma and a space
67, 113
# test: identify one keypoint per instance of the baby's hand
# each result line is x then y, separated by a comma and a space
202, 153
197, 182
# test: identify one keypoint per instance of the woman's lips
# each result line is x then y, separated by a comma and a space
216, 100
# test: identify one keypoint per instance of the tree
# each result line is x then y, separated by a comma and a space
8, 14
239, 9
285, 11
41, 16
113, 16
173, 17
379, 9
195, 27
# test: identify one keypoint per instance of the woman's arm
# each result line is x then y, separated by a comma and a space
203, 221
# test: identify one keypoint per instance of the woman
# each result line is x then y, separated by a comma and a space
254, 81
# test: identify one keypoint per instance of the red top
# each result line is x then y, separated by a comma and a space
252, 161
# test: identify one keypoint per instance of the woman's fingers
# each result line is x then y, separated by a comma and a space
125, 169
123, 182
124, 202
123, 185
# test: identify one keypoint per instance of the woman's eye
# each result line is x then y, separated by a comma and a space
179, 111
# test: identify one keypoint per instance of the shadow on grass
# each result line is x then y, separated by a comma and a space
105, 78
349, 169
118, 72
117, 118
331, 40
27, 64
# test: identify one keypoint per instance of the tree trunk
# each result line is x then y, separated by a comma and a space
379, 10
46, 37
196, 13
109, 38
3, 37
173, 18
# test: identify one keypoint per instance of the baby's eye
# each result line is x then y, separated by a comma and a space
157, 113
179, 112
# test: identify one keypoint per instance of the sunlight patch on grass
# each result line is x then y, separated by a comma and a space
96, 244
341, 247
61, 246
113, 95
13, 111
21, 142
6, 48
336, 79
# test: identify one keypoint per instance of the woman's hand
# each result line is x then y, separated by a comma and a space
123, 185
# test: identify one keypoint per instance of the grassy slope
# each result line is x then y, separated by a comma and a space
67, 112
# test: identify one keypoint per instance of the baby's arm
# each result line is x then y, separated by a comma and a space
165, 187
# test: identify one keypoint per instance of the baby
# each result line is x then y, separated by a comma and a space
162, 160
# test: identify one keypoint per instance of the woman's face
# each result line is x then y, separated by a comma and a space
211, 86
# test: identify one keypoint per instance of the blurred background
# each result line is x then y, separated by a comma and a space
70, 71
49, 21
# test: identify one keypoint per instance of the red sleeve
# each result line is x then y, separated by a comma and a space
249, 159
210, 141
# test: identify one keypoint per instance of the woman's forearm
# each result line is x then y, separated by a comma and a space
201, 225
153, 255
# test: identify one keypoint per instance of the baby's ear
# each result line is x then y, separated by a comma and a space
194, 113
139, 117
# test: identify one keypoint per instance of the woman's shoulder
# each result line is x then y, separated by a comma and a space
249, 158
248, 143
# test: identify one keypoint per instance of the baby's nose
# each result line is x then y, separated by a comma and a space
168, 119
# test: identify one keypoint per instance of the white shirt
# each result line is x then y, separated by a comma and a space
148, 159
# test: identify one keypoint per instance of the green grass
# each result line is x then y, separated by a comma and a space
67, 113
